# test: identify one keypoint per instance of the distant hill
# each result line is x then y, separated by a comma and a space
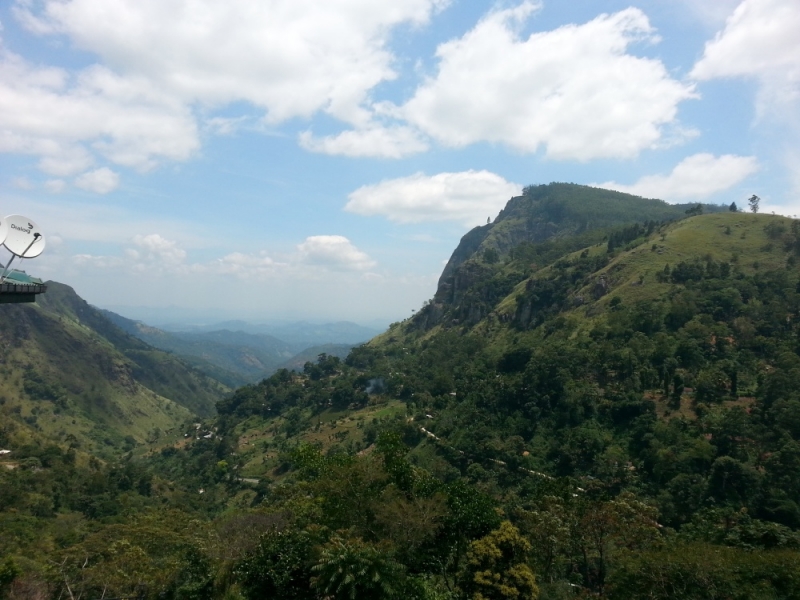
68, 373
233, 357
312, 354
299, 335
238, 352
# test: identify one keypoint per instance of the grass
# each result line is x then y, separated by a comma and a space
738, 238
85, 394
260, 439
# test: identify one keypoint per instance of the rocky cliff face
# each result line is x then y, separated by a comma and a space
515, 224
471, 281
467, 247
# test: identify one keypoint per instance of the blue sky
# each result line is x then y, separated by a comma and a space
306, 159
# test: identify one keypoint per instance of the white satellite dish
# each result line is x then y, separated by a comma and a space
23, 237
3, 230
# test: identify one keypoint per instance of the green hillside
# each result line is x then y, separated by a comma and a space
610, 411
72, 377
652, 371
546, 222
558, 210
232, 357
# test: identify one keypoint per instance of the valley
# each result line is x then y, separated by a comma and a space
599, 401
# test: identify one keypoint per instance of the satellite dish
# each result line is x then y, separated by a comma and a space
23, 237
3, 230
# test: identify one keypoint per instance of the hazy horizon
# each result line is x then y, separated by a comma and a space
174, 316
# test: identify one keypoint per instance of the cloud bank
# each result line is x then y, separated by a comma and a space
575, 91
467, 197
165, 64
696, 177
760, 40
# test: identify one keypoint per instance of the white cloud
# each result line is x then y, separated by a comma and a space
467, 197
66, 121
246, 265
291, 57
154, 248
383, 142
165, 62
93, 231
333, 251
55, 186
285, 284
151, 255
695, 178
99, 181
760, 40
576, 91
65, 161
322, 255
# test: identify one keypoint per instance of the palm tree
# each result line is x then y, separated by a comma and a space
350, 569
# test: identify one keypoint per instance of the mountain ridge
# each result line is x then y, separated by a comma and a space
69, 373
619, 404
565, 216
236, 357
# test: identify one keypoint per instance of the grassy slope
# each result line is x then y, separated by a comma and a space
331, 428
90, 392
560, 209
697, 237
163, 373
631, 275
68, 375
691, 238
233, 358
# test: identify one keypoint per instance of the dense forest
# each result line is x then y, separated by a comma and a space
588, 408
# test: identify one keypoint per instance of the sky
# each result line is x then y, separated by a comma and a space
308, 159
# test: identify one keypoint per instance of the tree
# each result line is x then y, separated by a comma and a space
280, 567
470, 515
605, 530
497, 567
694, 210
8, 571
352, 569
733, 207
706, 572
753, 202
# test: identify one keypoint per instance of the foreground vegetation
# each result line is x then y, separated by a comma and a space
611, 412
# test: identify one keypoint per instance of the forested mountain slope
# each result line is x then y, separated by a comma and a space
301, 334
575, 215
234, 358
658, 366
612, 412
70, 376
